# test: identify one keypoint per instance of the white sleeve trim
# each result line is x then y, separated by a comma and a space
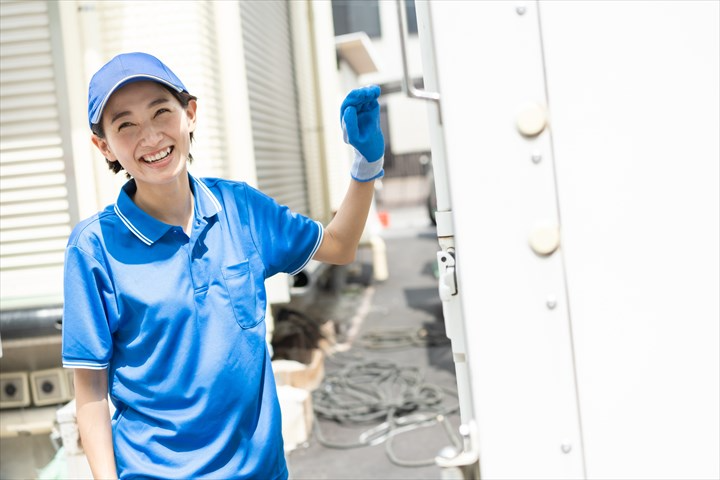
84, 364
315, 248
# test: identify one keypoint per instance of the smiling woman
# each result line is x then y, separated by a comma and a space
165, 296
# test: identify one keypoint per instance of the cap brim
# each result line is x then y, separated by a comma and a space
130, 79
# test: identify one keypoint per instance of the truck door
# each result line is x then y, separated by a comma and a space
580, 145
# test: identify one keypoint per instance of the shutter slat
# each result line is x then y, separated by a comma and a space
24, 262
12, 9
28, 101
36, 208
26, 74
32, 221
20, 49
33, 247
32, 168
29, 234
35, 195
51, 126
28, 61
48, 112
26, 88
10, 36
9, 184
17, 155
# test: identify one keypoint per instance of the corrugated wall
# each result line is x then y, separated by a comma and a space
273, 102
35, 199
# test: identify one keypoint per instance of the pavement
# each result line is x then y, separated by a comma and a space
396, 324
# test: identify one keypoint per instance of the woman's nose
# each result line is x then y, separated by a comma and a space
151, 135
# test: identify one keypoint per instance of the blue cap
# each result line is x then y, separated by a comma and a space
121, 70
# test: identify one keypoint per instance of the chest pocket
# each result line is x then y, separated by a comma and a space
242, 294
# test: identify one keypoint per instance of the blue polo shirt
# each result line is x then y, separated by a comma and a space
178, 322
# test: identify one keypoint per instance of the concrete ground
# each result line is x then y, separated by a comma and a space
408, 300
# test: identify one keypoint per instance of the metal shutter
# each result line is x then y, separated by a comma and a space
273, 102
308, 87
155, 28
35, 199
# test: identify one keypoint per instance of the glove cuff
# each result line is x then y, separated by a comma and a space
364, 171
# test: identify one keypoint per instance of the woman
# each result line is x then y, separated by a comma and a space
164, 294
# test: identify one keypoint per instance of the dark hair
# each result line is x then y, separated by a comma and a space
183, 97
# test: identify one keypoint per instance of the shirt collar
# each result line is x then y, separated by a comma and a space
206, 203
149, 229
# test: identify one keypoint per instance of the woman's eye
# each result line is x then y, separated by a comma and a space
162, 110
124, 124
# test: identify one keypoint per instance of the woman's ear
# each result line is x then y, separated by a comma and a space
103, 146
191, 112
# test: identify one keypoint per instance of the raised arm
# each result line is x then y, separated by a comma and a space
93, 417
360, 119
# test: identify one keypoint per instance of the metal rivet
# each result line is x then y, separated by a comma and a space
531, 120
536, 157
551, 302
520, 9
566, 447
544, 238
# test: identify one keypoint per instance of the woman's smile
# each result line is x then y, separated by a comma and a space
156, 157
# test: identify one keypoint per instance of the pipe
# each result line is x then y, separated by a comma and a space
30, 322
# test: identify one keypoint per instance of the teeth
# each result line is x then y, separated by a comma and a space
159, 156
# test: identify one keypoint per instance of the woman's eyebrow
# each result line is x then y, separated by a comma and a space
158, 101
155, 102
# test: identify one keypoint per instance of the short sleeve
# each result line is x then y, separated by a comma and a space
286, 240
86, 335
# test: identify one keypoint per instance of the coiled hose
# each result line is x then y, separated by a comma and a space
366, 392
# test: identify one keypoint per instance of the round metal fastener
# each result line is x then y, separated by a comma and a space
531, 120
545, 239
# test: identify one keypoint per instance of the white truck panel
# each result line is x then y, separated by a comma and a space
634, 99
601, 358
489, 69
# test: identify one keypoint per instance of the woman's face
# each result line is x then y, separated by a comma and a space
148, 131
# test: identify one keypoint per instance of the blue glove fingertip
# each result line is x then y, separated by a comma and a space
360, 96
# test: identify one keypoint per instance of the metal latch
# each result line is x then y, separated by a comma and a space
447, 281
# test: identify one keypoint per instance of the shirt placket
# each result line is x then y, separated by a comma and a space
198, 255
